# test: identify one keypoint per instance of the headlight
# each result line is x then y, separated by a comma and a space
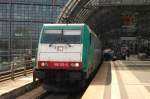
75, 65
44, 64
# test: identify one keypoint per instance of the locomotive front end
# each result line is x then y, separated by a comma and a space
59, 57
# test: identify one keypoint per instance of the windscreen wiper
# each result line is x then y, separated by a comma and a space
66, 42
63, 39
54, 41
60, 39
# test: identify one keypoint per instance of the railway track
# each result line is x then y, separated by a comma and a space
40, 93
62, 96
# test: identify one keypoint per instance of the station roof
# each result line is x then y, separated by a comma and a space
105, 16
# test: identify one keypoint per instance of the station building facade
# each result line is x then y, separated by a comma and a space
21, 22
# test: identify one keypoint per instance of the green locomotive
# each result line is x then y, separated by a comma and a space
67, 54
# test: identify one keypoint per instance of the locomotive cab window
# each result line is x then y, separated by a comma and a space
61, 36
72, 36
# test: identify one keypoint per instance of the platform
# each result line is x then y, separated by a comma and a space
11, 85
121, 80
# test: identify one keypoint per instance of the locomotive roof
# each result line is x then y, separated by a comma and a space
63, 24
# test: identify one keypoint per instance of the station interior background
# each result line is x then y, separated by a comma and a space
20, 24
117, 26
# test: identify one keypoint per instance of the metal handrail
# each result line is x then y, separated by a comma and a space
23, 65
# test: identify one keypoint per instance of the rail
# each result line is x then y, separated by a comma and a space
40, 93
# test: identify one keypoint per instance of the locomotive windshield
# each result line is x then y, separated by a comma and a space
61, 36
